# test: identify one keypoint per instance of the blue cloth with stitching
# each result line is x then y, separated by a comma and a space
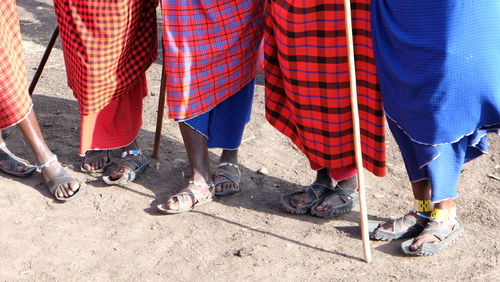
439, 65
223, 126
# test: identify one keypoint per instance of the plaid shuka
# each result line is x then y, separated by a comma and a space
213, 48
307, 81
15, 102
107, 44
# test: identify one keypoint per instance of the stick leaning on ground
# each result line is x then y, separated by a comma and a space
357, 134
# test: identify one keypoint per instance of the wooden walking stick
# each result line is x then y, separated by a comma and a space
357, 134
161, 111
45, 57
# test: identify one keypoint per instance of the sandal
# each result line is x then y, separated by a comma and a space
348, 196
92, 158
136, 168
229, 178
413, 230
14, 162
413, 227
315, 191
198, 196
62, 178
446, 236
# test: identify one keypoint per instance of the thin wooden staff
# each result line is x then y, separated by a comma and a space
357, 136
45, 57
161, 111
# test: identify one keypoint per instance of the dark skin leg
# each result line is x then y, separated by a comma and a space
6, 164
421, 191
197, 151
31, 131
227, 156
99, 158
443, 205
302, 199
331, 201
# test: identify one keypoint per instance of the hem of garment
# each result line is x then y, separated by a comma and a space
20, 120
437, 144
418, 180
114, 148
259, 69
450, 198
210, 147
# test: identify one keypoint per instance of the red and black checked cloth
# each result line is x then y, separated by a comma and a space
213, 48
107, 46
307, 81
15, 102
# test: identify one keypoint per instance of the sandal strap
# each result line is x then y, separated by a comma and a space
229, 164
47, 163
131, 153
229, 177
131, 164
399, 223
3, 144
61, 178
316, 190
440, 233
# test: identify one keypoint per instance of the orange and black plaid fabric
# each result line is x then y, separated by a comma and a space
107, 44
15, 102
307, 81
213, 49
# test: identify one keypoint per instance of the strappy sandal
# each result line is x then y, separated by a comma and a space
88, 159
14, 162
348, 196
446, 236
227, 178
315, 192
398, 225
184, 194
62, 178
413, 227
136, 168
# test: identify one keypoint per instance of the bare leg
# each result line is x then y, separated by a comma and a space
322, 177
197, 151
31, 131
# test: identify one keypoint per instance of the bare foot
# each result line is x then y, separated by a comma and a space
229, 180
95, 160
303, 199
389, 226
123, 169
428, 238
65, 190
333, 200
188, 201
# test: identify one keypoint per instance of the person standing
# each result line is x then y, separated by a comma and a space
213, 50
308, 97
108, 46
439, 70
16, 108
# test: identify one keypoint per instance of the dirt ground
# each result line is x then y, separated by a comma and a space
115, 233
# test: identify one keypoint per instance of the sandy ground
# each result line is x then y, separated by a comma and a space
114, 233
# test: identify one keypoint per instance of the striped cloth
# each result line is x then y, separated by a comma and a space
15, 102
212, 50
307, 81
108, 45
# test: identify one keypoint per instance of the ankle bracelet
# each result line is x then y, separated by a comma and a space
421, 206
134, 153
47, 163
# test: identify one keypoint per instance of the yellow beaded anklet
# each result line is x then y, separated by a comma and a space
420, 206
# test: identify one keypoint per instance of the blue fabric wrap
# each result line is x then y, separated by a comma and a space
223, 125
440, 164
439, 65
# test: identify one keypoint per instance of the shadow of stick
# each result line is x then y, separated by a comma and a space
278, 236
